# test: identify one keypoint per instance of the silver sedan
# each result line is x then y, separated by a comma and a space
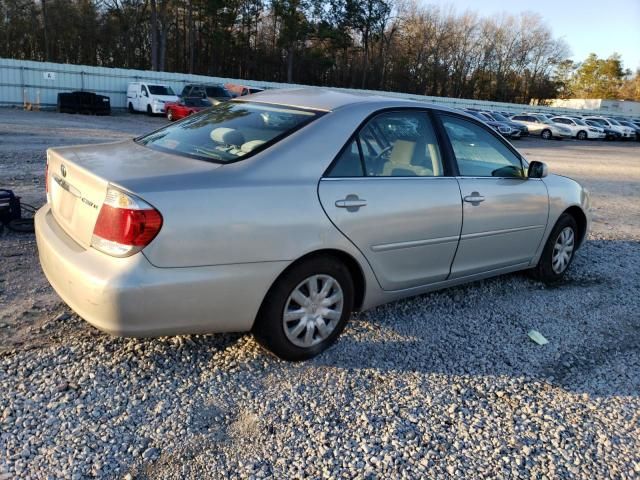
283, 213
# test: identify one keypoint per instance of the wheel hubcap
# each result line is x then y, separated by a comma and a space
562, 250
313, 310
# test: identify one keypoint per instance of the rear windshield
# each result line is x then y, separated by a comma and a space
229, 131
160, 90
217, 92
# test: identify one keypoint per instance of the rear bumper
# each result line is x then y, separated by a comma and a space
131, 297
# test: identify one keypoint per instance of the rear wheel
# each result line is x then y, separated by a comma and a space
306, 309
131, 110
546, 134
170, 115
582, 135
559, 250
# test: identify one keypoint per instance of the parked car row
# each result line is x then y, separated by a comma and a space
550, 126
159, 99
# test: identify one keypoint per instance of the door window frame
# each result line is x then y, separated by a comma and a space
449, 166
451, 154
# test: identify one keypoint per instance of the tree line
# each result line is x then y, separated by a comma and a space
394, 45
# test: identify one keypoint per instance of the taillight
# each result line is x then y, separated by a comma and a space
125, 225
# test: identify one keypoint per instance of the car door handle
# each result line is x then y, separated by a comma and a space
474, 199
351, 203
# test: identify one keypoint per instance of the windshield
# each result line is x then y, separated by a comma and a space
229, 131
217, 92
499, 117
613, 122
579, 122
160, 90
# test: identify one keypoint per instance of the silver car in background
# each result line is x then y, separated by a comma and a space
282, 214
541, 125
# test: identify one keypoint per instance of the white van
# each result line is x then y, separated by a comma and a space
149, 97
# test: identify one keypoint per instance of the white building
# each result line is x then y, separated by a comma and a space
611, 107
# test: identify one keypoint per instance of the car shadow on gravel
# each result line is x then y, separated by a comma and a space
591, 320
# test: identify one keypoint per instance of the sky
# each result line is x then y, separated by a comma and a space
599, 26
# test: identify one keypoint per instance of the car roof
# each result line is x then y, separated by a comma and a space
325, 99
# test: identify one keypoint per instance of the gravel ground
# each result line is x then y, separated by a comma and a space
445, 385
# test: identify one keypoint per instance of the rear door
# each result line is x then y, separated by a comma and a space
505, 213
389, 193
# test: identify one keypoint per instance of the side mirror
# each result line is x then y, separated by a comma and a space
537, 170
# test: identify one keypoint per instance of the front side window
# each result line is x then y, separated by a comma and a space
229, 131
394, 144
144, 90
160, 90
479, 153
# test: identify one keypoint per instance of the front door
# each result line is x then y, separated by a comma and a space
504, 212
388, 193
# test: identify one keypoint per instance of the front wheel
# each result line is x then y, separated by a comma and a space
131, 110
582, 135
559, 250
149, 111
546, 134
170, 115
306, 309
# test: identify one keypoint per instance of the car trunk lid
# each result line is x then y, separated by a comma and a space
78, 179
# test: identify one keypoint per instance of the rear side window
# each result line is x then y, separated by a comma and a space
478, 152
392, 144
229, 131
348, 163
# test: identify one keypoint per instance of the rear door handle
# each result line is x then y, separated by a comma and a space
352, 203
474, 199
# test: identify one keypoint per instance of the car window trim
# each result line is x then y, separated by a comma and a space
449, 172
440, 114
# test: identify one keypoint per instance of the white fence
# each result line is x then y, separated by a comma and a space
40, 83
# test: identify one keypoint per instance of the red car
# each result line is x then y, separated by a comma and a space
185, 107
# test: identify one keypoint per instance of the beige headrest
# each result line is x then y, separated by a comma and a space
251, 145
227, 136
402, 152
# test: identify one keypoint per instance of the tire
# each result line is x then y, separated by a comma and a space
280, 336
149, 111
170, 115
582, 135
547, 270
546, 134
131, 110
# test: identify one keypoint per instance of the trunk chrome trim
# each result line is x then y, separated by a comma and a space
67, 186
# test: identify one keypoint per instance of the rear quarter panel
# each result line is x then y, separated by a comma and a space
261, 209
